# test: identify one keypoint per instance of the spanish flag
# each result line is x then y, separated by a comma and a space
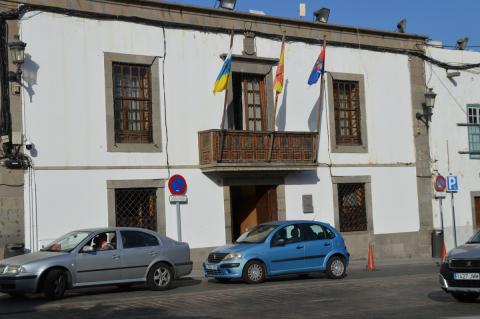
279, 76
221, 83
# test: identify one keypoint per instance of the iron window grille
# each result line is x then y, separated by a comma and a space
473, 113
352, 208
132, 103
136, 207
346, 97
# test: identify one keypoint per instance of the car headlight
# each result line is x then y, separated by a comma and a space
13, 270
233, 256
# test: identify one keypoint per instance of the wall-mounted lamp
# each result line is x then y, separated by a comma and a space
428, 106
462, 43
227, 4
322, 15
17, 53
402, 26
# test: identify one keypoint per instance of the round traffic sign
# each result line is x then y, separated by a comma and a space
440, 183
177, 185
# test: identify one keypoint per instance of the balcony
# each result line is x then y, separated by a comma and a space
257, 151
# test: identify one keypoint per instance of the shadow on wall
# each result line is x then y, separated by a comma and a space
29, 75
303, 178
282, 110
312, 119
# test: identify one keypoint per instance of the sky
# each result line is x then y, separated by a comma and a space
442, 20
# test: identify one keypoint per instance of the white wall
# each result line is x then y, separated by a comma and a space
450, 109
65, 119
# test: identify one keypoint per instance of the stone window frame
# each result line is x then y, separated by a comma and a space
253, 65
335, 148
154, 64
474, 194
159, 184
367, 180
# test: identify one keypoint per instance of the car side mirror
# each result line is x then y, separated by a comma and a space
279, 242
87, 249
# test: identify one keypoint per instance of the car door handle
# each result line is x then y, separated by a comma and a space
327, 244
116, 257
299, 247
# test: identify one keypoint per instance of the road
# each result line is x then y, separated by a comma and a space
395, 291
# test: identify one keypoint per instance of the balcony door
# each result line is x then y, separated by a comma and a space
249, 102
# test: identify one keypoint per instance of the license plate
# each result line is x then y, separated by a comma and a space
466, 276
211, 267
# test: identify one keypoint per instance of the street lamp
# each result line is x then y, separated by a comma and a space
17, 53
322, 15
227, 4
428, 106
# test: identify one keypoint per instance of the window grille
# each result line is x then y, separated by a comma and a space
136, 207
352, 208
346, 97
473, 113
132, 103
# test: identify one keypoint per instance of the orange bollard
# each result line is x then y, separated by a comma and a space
371, 260
444, 253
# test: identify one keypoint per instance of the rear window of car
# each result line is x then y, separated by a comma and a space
134, 239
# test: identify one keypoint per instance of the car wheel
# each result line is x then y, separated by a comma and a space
55, 284
254, 272
465, 296
336, 268
160, 277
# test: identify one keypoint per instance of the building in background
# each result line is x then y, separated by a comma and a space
117, 97
455, 139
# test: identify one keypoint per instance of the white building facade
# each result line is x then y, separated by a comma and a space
114, 107
455, 140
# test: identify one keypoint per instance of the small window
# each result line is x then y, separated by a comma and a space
473, 113
346, 98
136, 207
352, 207
132, 103
133, 239
330, 234
314, 232
291, 234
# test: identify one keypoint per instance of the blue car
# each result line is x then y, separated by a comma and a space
280, 248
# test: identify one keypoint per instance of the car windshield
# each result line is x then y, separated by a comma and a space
257, 234
475, 239
68, 242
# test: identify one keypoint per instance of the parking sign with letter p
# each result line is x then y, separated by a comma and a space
452, 183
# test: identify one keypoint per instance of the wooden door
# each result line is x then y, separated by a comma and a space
477, 212
266, 204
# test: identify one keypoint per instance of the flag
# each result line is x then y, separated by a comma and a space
279, 76
318, 68
222, 79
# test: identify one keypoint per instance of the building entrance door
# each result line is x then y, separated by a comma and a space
477, 212
252, 205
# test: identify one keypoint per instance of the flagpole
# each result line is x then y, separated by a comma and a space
272, 135
320, 102
222, 129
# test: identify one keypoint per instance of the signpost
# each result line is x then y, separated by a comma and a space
440, 186
452, 187
178, 187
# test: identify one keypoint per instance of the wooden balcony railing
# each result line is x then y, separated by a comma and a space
244, 147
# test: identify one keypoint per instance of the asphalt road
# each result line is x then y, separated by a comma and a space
396, 291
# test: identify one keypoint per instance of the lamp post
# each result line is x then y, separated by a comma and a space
17, 54
428, 106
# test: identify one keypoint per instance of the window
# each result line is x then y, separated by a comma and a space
314, 232
103, 241
291, 234
473, 113
133, 239
351, 207
347, 112
250, 102
132, 103
136, 207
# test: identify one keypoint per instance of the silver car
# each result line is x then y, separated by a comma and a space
93, 257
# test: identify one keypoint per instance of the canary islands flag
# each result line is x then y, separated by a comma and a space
222, 79
318, 68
